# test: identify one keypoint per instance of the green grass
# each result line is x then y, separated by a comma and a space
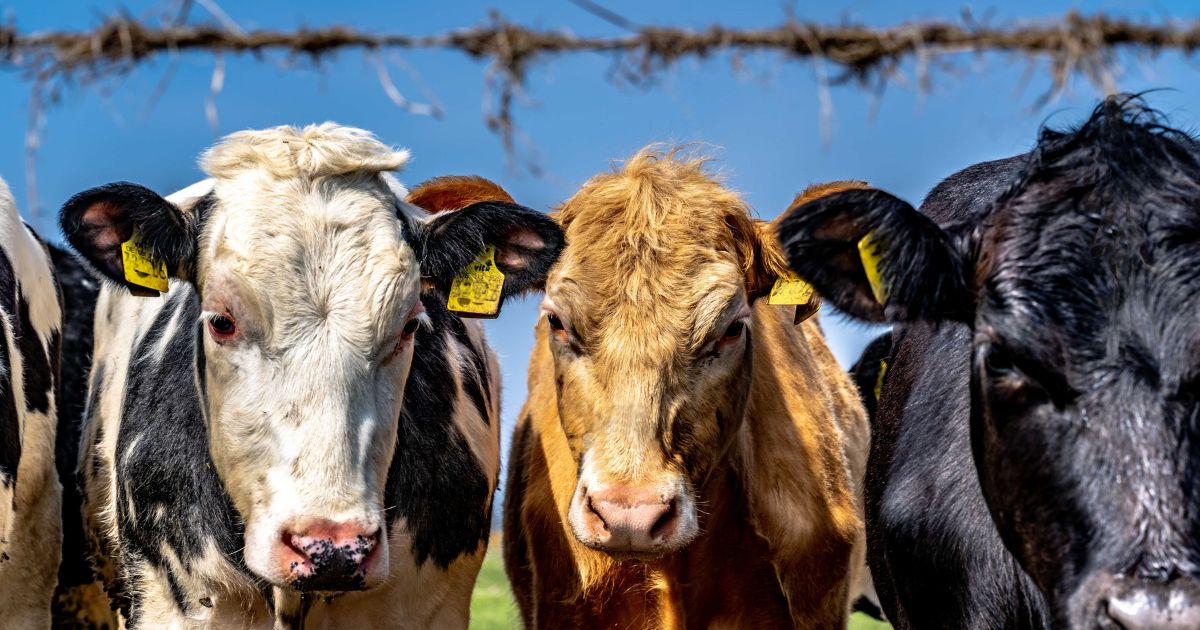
492, 607
862, 622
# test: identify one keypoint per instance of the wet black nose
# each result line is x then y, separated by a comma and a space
329, 556
1172, 606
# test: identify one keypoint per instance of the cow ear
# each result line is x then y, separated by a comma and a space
767, 270
472, 213
876, 258
100, 221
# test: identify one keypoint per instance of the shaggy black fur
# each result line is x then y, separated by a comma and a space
435, 482
1037, 447
79, 290
10, 422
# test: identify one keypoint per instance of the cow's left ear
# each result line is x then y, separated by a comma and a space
472, 213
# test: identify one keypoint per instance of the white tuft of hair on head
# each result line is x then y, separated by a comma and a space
311, 152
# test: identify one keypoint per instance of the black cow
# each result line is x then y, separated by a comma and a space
1035, 456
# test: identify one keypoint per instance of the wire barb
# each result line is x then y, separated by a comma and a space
1076, 44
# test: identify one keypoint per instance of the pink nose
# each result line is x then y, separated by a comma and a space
631, 519
327, 556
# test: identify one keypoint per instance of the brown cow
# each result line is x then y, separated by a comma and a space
687, 456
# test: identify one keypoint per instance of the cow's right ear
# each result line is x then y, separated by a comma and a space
876, 258
99, 221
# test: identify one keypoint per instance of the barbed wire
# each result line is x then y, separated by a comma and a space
1076, 44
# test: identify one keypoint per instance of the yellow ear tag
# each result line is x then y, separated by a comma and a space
790, 289
869, 252
476, 291
879, 379
140, 269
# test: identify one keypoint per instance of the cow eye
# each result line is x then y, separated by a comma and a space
558, 330
731, 335
410, 328
222, 326
998, 364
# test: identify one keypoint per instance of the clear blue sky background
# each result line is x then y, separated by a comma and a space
762, 123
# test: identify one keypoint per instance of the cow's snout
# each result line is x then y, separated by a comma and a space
1160, 606
630, 520
329, 556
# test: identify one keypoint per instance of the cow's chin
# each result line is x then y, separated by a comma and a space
313, 564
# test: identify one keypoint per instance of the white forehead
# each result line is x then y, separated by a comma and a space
306, 223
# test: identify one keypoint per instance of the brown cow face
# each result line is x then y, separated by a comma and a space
648, 319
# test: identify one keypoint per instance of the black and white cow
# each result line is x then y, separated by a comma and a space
30, 494
1036, 454
246, 460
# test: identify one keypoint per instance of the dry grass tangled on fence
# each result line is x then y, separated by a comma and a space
1075, 45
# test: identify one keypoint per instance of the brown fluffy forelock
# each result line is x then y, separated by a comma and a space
650, 228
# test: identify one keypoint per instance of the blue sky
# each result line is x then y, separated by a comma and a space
761, 124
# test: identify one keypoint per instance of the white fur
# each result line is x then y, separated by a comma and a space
30, 536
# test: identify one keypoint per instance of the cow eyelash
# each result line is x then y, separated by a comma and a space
1014, 373
222, 326
409, 332
733, 332
558, 329
410, 328
998, 364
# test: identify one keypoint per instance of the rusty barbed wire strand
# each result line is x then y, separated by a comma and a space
1075, 44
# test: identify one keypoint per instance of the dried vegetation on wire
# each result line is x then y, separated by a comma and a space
1074, 45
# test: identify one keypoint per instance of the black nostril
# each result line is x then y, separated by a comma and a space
591, 508
666, 521
290, 541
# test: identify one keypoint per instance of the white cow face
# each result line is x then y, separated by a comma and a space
307, 325
308, 269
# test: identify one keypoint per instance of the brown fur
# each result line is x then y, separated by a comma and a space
780, 541
455, 192
820, 190
83, 607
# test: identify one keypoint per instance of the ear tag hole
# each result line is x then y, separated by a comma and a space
141, 270
871, 256
790, 289
476, 291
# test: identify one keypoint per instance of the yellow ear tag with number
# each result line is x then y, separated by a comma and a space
790, 289
476, 291
869, 252
140, 269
